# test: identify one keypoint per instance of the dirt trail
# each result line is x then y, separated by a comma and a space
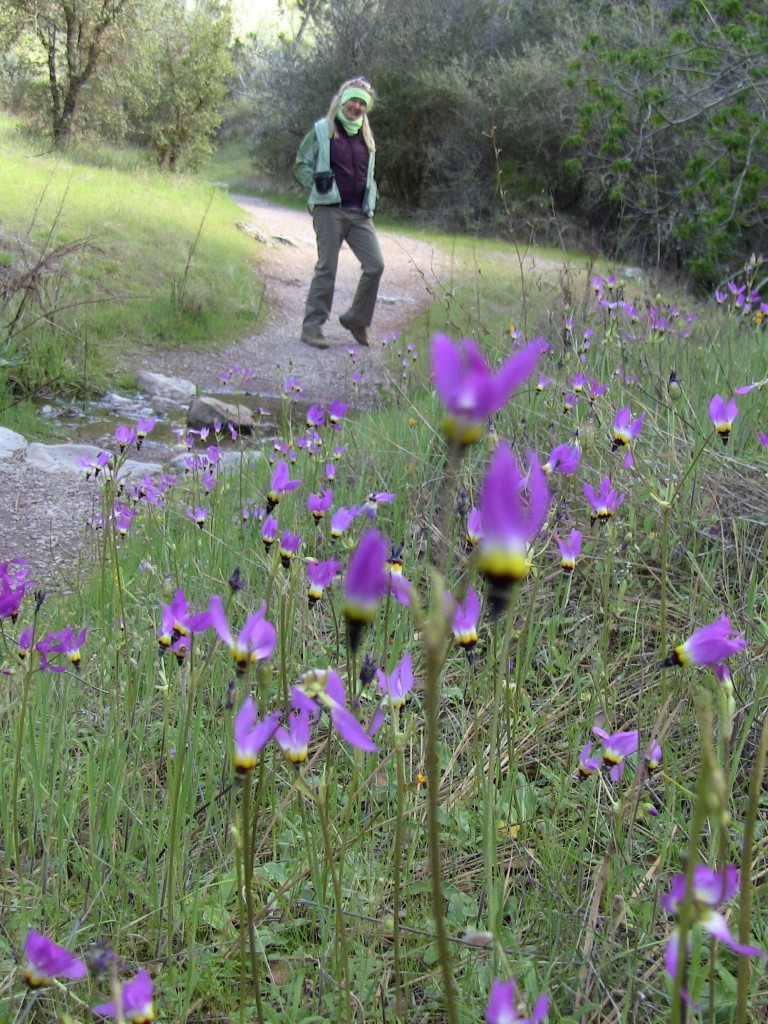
42, 514
286, 261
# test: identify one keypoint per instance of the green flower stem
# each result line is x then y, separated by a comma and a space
607, 616
435, 641
697, 455
445, 499
168, 895
663, 592
336, 629
178, 773
248, 886
399, 743
385, 632
284, 650
345, 1013
745, 874
353, 675
241, 914
678, 1012
16, 831
489, 807
502, 644
303, 794
344, 830
273, 570
259, 797
27, 682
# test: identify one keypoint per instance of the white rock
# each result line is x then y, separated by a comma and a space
54, 458
11, 443
166, 392
205, 412
132, 469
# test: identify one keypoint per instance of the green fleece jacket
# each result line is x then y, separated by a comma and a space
314, 157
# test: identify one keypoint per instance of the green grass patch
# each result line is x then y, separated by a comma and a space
233, 167
119, 260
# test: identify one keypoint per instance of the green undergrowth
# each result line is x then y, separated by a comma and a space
100, 261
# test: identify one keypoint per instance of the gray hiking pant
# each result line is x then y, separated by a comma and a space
334, 225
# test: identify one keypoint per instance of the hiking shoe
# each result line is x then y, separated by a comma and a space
315, 340
360, 334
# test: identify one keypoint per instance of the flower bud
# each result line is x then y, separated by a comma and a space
587, 434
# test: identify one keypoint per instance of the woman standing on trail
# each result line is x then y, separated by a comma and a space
336, 162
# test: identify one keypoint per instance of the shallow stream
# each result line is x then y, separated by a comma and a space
94, 421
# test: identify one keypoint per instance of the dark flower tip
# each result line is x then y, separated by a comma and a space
672, 661
231, 694
99, 958
367, 670
235, 582
498, 593
354, 633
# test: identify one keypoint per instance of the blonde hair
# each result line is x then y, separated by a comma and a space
330, 117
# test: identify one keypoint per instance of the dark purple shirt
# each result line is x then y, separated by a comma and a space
349, 163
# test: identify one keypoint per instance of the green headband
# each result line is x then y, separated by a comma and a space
355, 93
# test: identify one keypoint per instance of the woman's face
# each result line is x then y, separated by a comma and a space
354, 108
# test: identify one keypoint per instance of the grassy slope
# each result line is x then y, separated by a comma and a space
144, 276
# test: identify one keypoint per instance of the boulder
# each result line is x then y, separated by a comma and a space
230, 461
133, 469
205, 412
66, 458
55, 458
253, 231
166, 392
11, 443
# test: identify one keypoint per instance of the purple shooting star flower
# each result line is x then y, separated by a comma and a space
707, 646
251, 735
365, 584
256, 640
65, 642
509, 524
464, 619
710, 889
570, 550
342, 519
135, 999
723, 414
470, 391
605, 502
294, 740
280, 485
318, 504
323, 689
289, 545
319, 575
503, 1009
46, 961
616, 747
625, 429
